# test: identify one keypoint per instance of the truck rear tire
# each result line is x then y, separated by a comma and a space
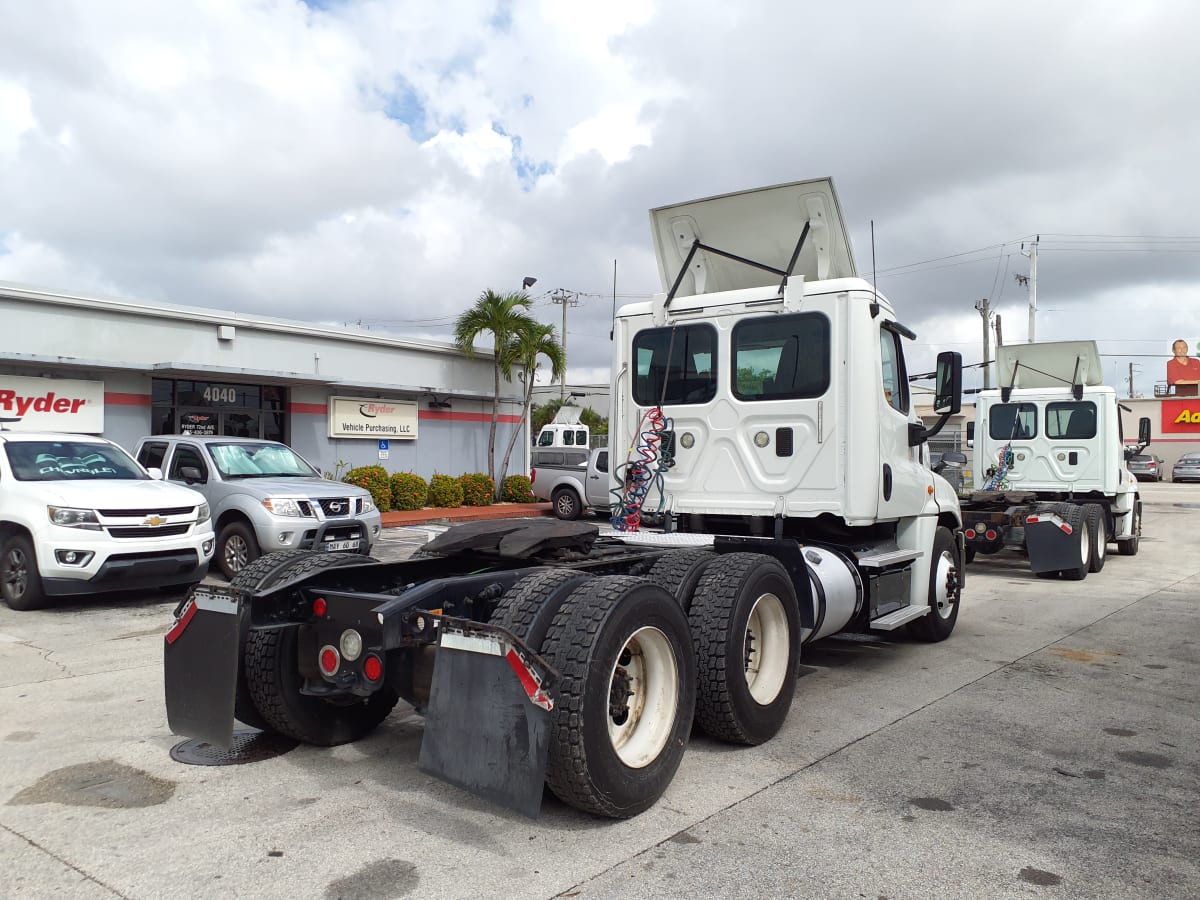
944, 591
275, 681
1129, 547
624, 702
567, 504
1079, 526
20, 580
1098, 532
530, 606
260, 574
746, 626
679, 572
236, 548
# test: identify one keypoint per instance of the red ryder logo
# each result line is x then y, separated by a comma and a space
49, 402
376, 409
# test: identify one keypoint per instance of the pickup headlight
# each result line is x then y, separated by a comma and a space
284, 506
202, 513
365, 505
74, 518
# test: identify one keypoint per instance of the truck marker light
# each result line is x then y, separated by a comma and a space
320, 607
929, 490
350, 644
328, 660
372, 667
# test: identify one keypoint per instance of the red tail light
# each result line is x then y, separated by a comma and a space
372, 667
320, 607
329, 660
532, 475
991, 535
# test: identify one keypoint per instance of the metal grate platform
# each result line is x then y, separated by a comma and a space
249, 745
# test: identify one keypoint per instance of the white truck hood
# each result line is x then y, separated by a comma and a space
762, 225
116, 494
1051, 364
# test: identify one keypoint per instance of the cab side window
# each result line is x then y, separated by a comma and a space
152, 454
895, 378
186, 456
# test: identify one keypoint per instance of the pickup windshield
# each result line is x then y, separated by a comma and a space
70, 461
265, 460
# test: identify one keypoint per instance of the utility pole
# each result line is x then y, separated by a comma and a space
999, 340
565, 298
1031, 282
985, 311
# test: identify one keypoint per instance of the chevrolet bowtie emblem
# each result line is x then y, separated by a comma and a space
155, 521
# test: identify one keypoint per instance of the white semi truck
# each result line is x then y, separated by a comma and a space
1050, 459
766, 391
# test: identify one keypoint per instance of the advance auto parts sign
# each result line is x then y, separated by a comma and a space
356, 417
1181, 416
52, 404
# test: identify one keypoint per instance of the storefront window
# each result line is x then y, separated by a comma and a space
219, 408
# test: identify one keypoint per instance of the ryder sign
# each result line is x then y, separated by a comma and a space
52, 404
357, 417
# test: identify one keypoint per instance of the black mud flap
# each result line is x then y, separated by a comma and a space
200, 663
487, 729
1051, 542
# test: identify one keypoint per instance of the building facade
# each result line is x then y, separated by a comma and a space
340, 397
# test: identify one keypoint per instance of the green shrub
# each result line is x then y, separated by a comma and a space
374, 479
517, 489
409, 490
445, 491
478, 489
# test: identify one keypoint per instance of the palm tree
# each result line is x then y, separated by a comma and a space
499, 315
532, 341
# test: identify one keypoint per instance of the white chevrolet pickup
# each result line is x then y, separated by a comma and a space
79, 516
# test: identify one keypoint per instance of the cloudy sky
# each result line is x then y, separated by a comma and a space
380, 162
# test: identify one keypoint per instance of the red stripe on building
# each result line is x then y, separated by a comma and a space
308, 409
467, 417
113, 398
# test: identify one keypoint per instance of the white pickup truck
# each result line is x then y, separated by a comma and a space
570, 483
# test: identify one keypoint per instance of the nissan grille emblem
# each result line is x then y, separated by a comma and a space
336, 506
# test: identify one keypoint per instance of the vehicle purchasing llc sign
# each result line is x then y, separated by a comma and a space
52, 404
358, 417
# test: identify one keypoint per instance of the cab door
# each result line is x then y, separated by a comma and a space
904, 482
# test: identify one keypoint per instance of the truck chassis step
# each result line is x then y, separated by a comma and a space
902, 616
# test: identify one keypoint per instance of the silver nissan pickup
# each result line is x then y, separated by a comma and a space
264, 496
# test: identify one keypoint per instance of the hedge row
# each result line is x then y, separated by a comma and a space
408, 491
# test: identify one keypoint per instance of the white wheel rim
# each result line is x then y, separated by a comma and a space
1085, 545
1101, 540
943, 602
766, 649
646, 673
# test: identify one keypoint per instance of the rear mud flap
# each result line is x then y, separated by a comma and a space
487, 729
1052, 543
200, 664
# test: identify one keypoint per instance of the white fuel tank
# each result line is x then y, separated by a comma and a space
837, 591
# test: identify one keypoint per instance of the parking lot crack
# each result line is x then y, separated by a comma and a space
87, 876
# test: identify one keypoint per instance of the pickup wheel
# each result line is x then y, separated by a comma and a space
20, 581
1129, 547
1093, 514
746, 626
945, 591
679, 572
275, 681
236, 548
262, 573
624, 702
530, 606
567, 504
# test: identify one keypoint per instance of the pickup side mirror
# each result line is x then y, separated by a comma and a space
191, 474
155, 473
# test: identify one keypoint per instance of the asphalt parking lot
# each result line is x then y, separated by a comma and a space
1050, 747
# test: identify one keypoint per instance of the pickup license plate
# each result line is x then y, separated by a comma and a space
342, 545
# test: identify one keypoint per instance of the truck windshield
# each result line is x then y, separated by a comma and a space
781, 357
1012, 421
244, 460
689, 376
70, 461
